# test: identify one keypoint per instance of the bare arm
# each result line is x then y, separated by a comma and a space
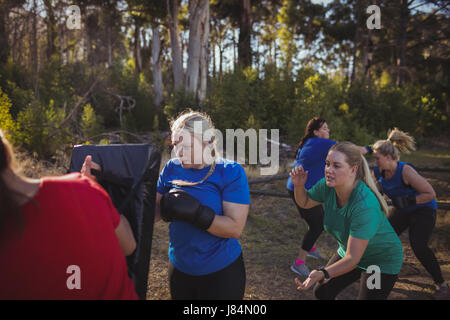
125, 236
354, 253
232, 223
157, 207
299, 176
419, 183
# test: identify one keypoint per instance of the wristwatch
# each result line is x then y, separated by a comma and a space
325, 273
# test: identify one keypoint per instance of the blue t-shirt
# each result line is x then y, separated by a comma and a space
191, 250
394, 187
312, 157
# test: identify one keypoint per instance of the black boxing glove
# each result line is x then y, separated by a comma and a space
178, 205
403, 201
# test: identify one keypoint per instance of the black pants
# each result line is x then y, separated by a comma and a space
421, 223
225, 284
332, 288
314, 219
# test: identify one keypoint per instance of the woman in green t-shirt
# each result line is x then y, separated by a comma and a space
369, 248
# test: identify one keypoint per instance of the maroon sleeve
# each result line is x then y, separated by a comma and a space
113, 213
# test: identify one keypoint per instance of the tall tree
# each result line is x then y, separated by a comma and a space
51, 28
156, 65
240, 14
150, 13
175, 43
245, 29
302, 21
5, 7
198, 56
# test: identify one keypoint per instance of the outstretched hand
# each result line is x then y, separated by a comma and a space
314, 277
298, 176
88, 166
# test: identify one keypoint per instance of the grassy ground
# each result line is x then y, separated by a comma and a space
273, 234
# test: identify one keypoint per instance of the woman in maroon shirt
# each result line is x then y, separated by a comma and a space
60, 238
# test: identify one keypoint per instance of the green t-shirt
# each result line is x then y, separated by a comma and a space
361, 217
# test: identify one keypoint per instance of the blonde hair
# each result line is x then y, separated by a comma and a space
186, 121
10, 208
355, 158
397, 141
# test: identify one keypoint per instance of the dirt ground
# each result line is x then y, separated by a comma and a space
273, 233
272, 238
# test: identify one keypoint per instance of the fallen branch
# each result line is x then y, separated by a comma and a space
115, 133
131, 103
77, 106
283, 176
280, 194
280, 176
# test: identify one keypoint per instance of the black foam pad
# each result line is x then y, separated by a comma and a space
129, 175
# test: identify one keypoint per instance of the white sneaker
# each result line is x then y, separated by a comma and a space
301, 269
315, 254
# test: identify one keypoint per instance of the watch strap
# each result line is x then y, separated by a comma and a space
326, 274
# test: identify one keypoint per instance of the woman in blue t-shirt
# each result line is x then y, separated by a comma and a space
413, 198
311, 154
206, 200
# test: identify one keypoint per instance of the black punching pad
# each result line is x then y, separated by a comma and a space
129, 175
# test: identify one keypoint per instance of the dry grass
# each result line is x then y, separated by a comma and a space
30, 166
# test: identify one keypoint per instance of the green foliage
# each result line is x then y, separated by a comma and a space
91, 124
38, 129
157, 138
125, 81
179, 101
7, 124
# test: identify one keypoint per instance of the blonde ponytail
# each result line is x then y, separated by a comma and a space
368, 179
397, 141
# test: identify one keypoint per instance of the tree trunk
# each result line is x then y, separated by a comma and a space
368, 53
34, 49
156, 65
401, 58
234, 50
51, 28
204, 55
4, 45
358, 8
220, 60
62, 53
175, 43
109, 44
245, 26
197, 51
137, 49
214, 60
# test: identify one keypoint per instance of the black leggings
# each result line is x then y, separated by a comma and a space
421, 223
225, 284
314, 219
332, 288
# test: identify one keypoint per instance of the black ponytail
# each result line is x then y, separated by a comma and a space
314, 124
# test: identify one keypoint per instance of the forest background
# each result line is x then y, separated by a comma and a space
117, 71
